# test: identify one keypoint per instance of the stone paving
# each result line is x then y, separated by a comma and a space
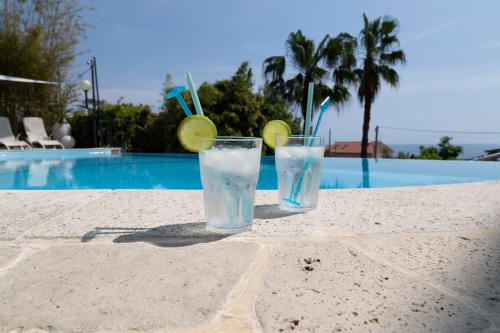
413, 259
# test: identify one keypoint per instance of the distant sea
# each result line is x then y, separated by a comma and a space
471, 150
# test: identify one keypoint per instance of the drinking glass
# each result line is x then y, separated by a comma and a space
229, 168
299, 161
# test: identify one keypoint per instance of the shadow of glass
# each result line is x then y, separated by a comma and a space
269, 212
172, 235
90, 235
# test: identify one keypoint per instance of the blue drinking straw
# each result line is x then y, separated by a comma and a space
176, 93
194, 94
323, 107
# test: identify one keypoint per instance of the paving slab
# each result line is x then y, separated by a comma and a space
467, 262
23, 210
331, 287
105, 287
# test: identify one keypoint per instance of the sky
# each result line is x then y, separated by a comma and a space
451, 80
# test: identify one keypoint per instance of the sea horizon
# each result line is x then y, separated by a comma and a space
471, 150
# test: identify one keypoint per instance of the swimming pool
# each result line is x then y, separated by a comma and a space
100, 169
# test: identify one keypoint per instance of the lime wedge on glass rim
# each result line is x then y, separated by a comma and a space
193, 130
273, 129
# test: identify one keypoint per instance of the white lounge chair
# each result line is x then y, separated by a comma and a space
490, 157
36, 134
7, 138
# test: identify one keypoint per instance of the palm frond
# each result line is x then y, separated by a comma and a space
278, 86
393, 57
374, 30
366, 21
333, 52
273, 68
389, 75
320, 50
389, 25
389, 40
341, 57
358, 73
367, 34
318, 74
299, 50
293, 89
321, 91
344, 76
349, 45
340, 96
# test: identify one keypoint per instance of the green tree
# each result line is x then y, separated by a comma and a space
123, 124
444, 151
428, 153
237, 112
379, 48
38, 40
447, 151
312, 64
231, 104
403, 155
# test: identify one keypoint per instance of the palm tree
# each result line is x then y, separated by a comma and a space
312, 64
380, 51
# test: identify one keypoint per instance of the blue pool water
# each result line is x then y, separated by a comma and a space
99, 169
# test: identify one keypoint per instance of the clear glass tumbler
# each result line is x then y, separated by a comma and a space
229, 168
299, 161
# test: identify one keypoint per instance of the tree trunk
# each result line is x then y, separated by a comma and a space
366, 127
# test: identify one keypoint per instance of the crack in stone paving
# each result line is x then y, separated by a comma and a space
238, 314
469, 301
24, 253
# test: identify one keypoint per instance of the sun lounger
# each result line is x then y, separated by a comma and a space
7, 138
36, 134
490, 157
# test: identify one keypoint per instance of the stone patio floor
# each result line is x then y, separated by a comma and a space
412, 259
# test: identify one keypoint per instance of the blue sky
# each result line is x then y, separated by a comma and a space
451, 80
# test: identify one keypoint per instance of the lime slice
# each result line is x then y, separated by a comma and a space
193, 129
273, 129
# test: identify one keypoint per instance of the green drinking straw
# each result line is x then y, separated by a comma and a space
194, 95
310, 94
